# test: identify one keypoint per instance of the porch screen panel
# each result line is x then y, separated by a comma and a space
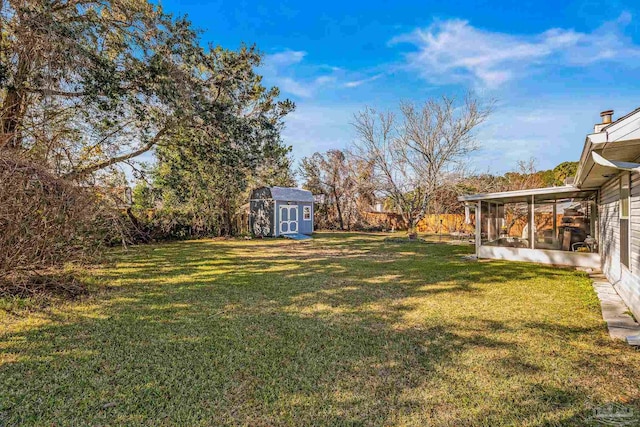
545, 226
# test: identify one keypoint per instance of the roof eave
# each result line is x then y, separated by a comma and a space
522, 193
621, 119
594, 141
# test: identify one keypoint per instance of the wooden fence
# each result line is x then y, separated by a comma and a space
445, 224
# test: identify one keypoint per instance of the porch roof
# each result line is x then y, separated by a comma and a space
539, 194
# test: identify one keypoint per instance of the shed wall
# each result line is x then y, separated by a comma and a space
261, 220
304, 227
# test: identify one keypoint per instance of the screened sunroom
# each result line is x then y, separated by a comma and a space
555, 225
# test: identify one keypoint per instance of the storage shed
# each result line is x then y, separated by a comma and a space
276, 211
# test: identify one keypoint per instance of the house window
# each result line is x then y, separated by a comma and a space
306, 213
624, 219
624, 196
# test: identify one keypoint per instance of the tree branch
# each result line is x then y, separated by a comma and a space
112, 161
54, 92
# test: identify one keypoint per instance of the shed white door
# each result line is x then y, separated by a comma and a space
288, 219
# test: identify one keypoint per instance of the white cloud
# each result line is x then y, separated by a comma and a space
356, 83
324, 80
552, 133
293, 87
312, 128
285, 58
288, 71
294, 75
454, 51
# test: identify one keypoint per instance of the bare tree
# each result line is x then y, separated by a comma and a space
344, 181
524, 177
412, 157
360, 193
328, 174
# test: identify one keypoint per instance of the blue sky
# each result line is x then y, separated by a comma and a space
552, 66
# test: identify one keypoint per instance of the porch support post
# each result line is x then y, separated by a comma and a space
489, 226
494, 218
555, 222
496, 221
532, 224
478, 226
593, 208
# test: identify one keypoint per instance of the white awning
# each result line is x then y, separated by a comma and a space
615, 164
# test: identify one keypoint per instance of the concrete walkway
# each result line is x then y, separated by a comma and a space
614, 311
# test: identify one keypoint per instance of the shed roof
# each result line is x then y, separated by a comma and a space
287, 194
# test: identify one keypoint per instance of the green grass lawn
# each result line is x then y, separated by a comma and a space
347, 329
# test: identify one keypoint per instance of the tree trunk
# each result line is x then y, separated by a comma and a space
14, 108
12, 113
142, 234
226, 220
409, 222
335, 196
227, 223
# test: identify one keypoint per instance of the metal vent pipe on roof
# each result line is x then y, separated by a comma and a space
606, 116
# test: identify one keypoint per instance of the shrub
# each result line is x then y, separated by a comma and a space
46, 222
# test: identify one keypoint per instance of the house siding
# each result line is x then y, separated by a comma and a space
609, 221
626, 280
634, 218
629, 285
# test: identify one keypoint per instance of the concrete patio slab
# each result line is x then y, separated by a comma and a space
614, 311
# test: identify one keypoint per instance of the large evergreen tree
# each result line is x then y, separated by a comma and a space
88, 84
204, 182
